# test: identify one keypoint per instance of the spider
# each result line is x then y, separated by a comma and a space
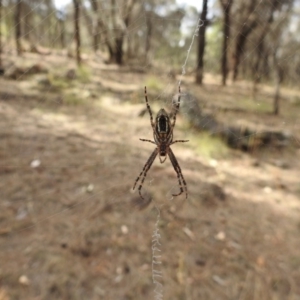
163, 139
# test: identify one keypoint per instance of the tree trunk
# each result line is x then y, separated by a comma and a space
114, 33
18, 26
259, 53
77, 30
201, 43
226, 5
27, 28
96, 25
277, 94
240, 47
119, 49
112, 55
86, 15
278, 76
248, 26
96, 35
62, 37
119, 34
127, 20
260, 50
106, 31
257, 66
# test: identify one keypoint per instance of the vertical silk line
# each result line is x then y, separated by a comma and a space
196, 31
156, 245
156, 260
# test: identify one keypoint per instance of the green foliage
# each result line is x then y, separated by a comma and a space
295, 100
213, 47
295, 262
257, 106
153, 84
57, 82
72, 99
83, 74
4, 30
209, 146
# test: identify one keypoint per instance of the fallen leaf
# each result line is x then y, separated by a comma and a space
24, 280
219, 280
35, 163
189, 233
220, 236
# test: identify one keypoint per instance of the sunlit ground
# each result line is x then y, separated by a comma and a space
70, 153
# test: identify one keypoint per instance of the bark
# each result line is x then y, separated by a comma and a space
278, 76
120, 23
240, 47
62, 37
226, 5
249, 25
88, 20
77, 30
96, 25
112, 50
260, 49
114, 34
96, 36
259, 54
119, 35
18, 26
93, 24
201, 43
277, 94
119, 49
106, 33
28, 29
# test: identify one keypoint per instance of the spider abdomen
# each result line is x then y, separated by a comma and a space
162, 122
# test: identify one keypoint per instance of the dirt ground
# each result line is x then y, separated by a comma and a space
70, 227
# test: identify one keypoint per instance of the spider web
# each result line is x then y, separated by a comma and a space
68, 168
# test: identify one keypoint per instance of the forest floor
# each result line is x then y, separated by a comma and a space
70, 227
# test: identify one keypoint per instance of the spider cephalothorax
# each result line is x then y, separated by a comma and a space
163, 139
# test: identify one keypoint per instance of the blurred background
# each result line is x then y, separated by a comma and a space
72, 110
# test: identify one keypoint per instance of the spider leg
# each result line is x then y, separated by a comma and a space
162, 160
179, 141
177, 107
144, 140
146, 168
179, 174
149, 109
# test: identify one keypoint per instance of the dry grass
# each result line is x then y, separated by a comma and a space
61, 234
